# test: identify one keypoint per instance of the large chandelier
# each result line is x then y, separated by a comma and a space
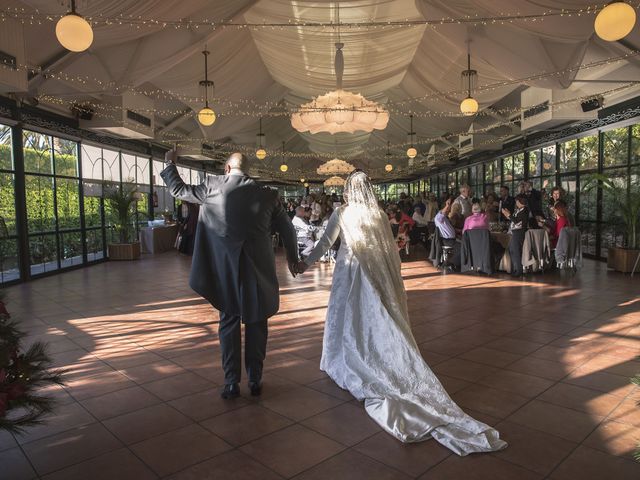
615, 21
340, 110
335, 167
334, 182
73, 32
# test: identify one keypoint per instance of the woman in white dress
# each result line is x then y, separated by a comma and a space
368, 347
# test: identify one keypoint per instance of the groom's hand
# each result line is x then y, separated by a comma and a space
301, 267
293, 268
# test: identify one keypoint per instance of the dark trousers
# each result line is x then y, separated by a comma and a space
255, 348
515, 251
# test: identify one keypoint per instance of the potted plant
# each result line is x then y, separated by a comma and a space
625, 205
122, 200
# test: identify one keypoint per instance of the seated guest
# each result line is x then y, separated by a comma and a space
519, 223
477, 219
419, 202
432, 207
447, 232
562, 220
456, 218
304, 231
419, 217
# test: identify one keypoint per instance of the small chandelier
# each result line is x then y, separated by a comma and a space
615, 21
340, 110
283, 165
334, 182
302, 180
261, 153
206, 116
306, 185
335, 167
389, 166
73, 32
411, 151
469, 106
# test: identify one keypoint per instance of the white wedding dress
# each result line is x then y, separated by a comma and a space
368, 347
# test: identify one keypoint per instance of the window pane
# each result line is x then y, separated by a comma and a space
37, 152
8, 202
616, 143
535, 163
589, 152
111, 165
507, 169
71, 249
95, 247
66, 157
91, 162
588, 230
568, 184
9, 268
40, 212
142, 170
588, 204
6, 157
128, 168
68, 201
518, 166
549, 160
635, 144
569, 156
92, 201
43, 254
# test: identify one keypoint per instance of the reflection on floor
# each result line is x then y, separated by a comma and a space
546, 360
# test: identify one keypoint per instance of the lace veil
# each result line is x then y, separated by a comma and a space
368, 234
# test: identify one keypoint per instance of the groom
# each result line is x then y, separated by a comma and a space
233, 262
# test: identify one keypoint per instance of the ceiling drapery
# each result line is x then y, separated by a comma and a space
288, 67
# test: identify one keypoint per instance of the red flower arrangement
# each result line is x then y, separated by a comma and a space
22, 374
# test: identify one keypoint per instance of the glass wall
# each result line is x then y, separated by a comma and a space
614, 152
9, 267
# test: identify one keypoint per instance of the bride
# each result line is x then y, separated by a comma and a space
368, 347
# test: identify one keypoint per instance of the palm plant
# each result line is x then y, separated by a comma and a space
122, 200
625, 203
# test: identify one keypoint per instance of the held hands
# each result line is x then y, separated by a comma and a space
297, 268
506, 212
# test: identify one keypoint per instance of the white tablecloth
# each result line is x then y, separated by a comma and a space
158, 239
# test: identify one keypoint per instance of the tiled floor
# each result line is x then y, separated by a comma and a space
546, 360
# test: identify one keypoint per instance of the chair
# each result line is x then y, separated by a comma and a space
476, 252
568, 251
536, 250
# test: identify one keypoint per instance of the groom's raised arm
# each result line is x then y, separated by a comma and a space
182, 191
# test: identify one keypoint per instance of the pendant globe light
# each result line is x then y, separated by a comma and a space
615, 21
73, 32
206, 116
411, 151
283, 165
389, 166
469, 106
261, 153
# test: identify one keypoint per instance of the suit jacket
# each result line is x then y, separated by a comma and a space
476, 251
233, 261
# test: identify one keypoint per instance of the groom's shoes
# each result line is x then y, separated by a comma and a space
231, 390
255, 388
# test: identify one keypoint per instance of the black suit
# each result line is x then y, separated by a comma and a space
233, 261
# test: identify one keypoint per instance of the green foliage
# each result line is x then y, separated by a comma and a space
626, 203
122, 200
22, 375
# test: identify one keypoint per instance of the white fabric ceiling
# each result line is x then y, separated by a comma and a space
294, 64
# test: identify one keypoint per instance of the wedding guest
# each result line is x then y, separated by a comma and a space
419, 202
456, 218
188, 220
562, 220
491, 205
304, 231
505, 201
419, 217
464, 200
477, 220
519, 223
316, 212
447, 231
432, 207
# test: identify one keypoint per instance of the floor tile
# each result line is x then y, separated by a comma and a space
178, 386
478, 467
615, 438
351, 465
73, 446
120, 464
464, 369
563, 422
146, 423
588, 464
526, 385
300, 403
292, 450
582, 399
489, 356
119, 402
15, 465
63, 418
410, 458
245, 424
231, 465
348, 424
175, 450
498, 403
202, 405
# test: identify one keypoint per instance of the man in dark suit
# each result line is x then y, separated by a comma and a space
506, 201
233, 261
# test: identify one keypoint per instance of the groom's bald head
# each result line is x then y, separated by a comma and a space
236, 161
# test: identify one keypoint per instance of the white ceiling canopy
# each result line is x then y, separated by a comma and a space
270, 71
